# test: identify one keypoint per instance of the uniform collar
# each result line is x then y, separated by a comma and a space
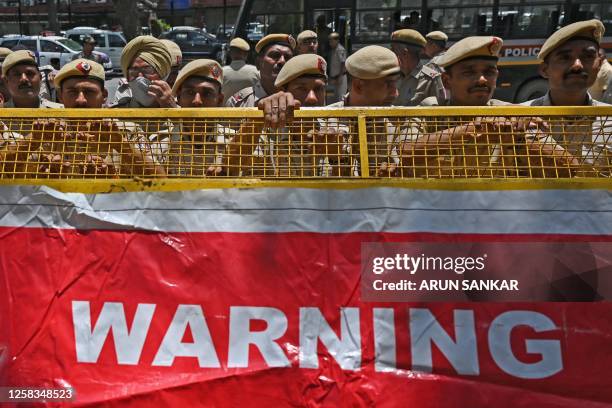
11, 104
548, 102
259, 91
416, 69
238, 64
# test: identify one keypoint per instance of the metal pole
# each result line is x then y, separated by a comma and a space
224, 16
172, 12
19, 17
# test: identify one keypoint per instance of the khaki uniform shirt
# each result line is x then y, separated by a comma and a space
384, 139
459, 158
604, 77
337, 58
424, 81
13, 131
586, 138
238, 75
43, 103
607, 96
181, 155
261, 153
76, 154
248, 97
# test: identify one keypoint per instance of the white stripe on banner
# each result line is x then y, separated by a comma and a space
386, 209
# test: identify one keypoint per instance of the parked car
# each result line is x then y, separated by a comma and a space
109, 42
195, 44
54, 51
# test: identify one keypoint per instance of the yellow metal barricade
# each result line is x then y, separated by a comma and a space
393, 143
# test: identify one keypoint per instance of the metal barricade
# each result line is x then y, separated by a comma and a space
407, 143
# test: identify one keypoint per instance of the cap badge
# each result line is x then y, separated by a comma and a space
321, 65
494, 46
216, 72
84, 67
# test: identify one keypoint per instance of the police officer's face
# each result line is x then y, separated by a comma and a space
308, 46
471, 82
432, 49
310, 91
573, 66
273, 59
378, 92
198, 92
408, 58
23, 81
82, 93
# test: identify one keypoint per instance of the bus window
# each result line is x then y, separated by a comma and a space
374, 25
376, 4
276, 6
587, 11
461, 22
282, 23
528, 21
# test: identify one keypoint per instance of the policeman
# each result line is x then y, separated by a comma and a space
146, 63
478, 56
89, 43
80, 84
375, 72
193, 149
463, 147
307, 42
238, 74
436, 44
302, 82
22, 79
177, 60
570, 62
273, 51
408, 45
337, 70
87, 148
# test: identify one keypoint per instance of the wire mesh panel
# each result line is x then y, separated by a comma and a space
324, 143
490, 146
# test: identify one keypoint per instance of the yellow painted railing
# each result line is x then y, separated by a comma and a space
441, 143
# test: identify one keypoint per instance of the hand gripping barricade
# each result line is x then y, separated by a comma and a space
464, 143
194, 257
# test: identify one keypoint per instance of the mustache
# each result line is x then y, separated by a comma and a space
479, 88
25, 86
581, 73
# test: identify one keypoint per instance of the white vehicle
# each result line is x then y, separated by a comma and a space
110, 43
52, 50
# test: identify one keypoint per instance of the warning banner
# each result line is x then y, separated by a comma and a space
253, 296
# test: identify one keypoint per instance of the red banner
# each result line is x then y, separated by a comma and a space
145, 317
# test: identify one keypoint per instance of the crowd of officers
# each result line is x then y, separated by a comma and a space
289, 74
